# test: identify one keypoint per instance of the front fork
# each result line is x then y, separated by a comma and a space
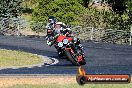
71, 50
79, 57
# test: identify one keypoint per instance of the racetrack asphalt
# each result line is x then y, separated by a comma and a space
102, 58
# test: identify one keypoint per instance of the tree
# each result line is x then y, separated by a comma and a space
65, 10
120, 17
129, 9
10, 8
120, 6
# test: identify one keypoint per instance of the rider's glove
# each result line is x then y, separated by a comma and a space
46, 38
49, 43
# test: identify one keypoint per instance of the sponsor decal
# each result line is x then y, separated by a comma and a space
83, 78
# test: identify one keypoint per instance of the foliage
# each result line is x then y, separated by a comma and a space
10, 8
29, 3
93, 18
129, 9
65, 10
37, 26
121, 17
74, 12
9, 11
120, 22
84, 3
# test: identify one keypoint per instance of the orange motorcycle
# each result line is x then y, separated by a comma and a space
67, 47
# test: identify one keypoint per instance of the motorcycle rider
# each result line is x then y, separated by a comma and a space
50, 26
51, 21
58, 28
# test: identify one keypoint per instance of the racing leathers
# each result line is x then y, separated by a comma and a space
68, 33
50, 26
61, 28
50, 33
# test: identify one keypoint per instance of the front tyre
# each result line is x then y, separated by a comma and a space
83, 62
71, 58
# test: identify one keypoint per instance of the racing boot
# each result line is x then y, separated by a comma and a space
60, 54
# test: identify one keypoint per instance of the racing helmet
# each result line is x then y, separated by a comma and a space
52, 19
58, 25
63, 25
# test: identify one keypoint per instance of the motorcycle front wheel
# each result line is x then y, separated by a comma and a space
71, 58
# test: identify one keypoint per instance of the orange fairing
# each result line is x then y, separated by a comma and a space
60, 38
81, 71
70, 39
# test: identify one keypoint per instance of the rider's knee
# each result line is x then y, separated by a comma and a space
76, 41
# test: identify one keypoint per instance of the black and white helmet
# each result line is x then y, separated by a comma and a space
52, 19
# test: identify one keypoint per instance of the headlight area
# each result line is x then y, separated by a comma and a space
65, 41
60, 44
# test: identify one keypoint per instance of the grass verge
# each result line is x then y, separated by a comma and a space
52, 82
10, 58
75, 86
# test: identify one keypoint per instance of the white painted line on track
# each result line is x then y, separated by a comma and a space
55, 61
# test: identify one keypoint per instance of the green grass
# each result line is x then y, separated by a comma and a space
74, 86
17, 58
